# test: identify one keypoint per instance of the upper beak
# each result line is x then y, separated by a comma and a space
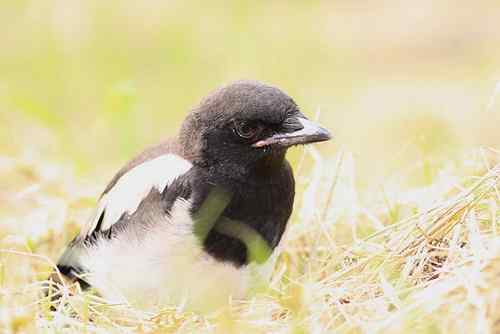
311, 132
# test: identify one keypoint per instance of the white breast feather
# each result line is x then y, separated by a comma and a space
133, 186
167, 266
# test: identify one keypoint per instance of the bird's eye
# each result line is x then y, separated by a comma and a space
247, 130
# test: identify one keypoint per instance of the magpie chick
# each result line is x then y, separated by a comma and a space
184, 220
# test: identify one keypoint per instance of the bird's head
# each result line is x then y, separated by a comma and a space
238, 125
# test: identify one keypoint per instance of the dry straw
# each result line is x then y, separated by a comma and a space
425, 259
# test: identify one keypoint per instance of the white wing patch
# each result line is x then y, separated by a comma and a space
133, 186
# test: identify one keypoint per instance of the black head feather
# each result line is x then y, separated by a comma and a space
220, 131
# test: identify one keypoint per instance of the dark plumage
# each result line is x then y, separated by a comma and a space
200, 197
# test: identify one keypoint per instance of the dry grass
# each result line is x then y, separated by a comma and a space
424, 259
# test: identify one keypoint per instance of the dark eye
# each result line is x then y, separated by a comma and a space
247, 130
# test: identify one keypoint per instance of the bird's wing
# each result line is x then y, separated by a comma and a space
156, 169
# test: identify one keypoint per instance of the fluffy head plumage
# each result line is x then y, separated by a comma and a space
209, 135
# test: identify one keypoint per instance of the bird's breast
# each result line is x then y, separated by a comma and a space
166, 265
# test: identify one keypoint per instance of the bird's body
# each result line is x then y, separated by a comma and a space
187, 220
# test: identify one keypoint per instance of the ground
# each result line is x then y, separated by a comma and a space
424, 259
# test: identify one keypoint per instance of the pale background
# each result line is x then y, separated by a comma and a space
91, 83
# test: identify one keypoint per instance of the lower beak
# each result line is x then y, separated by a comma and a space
311, 132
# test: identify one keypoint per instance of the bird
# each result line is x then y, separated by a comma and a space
185, 220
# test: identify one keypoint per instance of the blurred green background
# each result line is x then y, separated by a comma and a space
398, 82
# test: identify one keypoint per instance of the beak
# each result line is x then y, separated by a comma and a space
309, 133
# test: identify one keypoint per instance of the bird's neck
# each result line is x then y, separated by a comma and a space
270, 164
229, 174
